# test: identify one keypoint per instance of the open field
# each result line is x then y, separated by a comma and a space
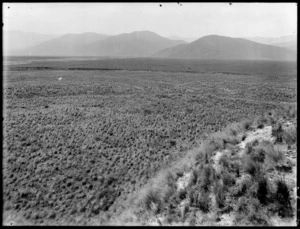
75, 148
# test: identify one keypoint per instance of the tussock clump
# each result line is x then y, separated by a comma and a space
242, 208
290, 135
166, 193
204, 154
228, 179
202, 201
258, 155
235, 128
277, 132
250, 146
258, 218
170, 179
290, 111
273, 153
206, 177
152, 201
182, 194
217, 141
242, 187
193, 178
224, 161
246, 124
262, 190
233, 140
248, 212
230, 164
220, 192
284, 199
260, 151
254, 168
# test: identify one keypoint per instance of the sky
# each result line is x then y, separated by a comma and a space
167, 19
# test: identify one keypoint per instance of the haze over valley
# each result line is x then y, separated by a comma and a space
149, 44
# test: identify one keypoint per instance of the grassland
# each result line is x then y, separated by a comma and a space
76, 148
244, 175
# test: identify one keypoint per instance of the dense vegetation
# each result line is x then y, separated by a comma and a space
75, 148
250, 184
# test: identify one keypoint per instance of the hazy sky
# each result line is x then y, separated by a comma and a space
171, 19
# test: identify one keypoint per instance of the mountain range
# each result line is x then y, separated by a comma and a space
289, 42
18, 40
148, 44
221, 47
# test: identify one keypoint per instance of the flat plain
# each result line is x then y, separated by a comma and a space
80, 135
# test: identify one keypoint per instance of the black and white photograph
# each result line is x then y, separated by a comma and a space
149, 114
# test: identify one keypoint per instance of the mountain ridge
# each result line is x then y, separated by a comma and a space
222, 47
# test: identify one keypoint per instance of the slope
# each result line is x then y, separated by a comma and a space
66, 45
14, 41
136, 44
244, 175
221, 47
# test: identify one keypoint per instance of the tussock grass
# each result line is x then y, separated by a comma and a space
205, 152
166, 193
277, 132
193, 178
242, 181
258, 155
263, 152
242, 187
254, 168
263, 190
290, 135
206, 177
249, 212
261, 121
246, 124
228, 179
202, 201
220, 194
284, 199
217, 141
272, 152
152, 201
